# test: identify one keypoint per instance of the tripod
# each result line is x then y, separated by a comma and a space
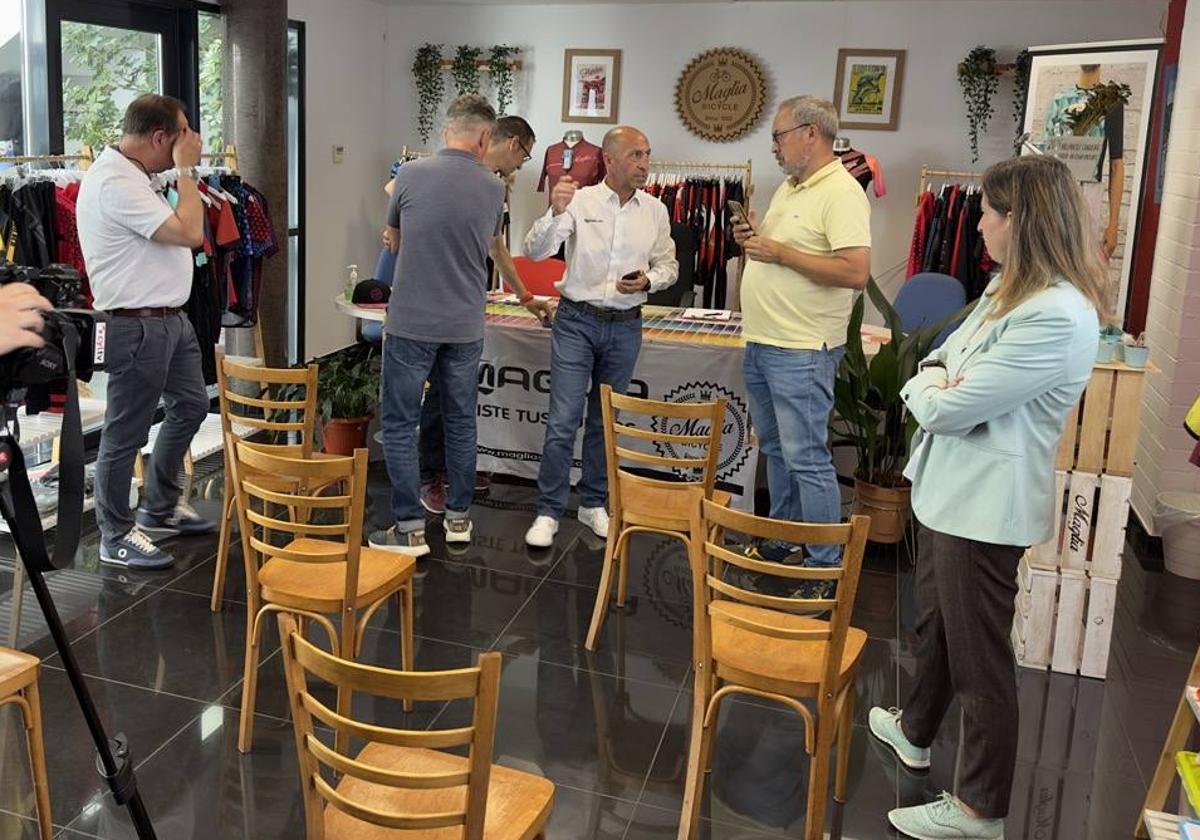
113, 760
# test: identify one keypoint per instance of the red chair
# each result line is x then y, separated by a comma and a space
539, 276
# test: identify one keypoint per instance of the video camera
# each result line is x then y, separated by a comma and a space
26, 373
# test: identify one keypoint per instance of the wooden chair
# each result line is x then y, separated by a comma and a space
749, 643
653, 505
324, 569
259, 413
401, 783
19, 685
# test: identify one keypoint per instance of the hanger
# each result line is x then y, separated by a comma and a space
572, 137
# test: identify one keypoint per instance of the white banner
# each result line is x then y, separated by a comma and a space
514, 397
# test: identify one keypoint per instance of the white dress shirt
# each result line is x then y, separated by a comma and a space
606, 241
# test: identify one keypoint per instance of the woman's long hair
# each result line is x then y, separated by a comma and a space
1050, 235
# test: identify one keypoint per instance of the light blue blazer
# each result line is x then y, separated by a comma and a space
982, 464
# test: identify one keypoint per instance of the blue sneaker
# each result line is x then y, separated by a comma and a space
135, 551
944, 820
393, 539
184, 522
885, 725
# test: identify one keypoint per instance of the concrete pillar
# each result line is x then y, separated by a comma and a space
1173, 320
256, 122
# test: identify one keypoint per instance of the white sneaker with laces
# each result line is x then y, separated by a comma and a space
595, 518
541, 532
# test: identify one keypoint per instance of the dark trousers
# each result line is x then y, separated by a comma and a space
431, 440
966, 590
148, 359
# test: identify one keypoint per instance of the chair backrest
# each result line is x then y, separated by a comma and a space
267, 477
682, 439
539, 276
270, 403
387, 785
709, 555
927, 299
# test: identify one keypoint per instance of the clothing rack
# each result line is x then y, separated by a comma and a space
412, 154
928, 172
702, 167
227, 158
85, 157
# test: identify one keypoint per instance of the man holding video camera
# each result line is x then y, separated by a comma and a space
21, 309
138, 252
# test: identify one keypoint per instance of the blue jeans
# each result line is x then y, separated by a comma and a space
791, 397
407, 364
583, 350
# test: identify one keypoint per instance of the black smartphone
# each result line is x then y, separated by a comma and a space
631, 275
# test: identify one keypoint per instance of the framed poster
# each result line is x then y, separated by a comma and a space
867, 90
1108, 153
591, 86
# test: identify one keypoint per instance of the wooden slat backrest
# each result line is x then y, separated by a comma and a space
481, 683
709, 557
693, 427
258, 406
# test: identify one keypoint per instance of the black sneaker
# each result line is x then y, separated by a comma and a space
184, 522
135, 551
411, 543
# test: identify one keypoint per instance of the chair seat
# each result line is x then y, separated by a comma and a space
517, 808
17, 670
782, 660
662, 506
319, 586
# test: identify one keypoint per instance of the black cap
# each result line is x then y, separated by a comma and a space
371, 291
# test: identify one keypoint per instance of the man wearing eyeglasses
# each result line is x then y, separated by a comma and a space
808, 256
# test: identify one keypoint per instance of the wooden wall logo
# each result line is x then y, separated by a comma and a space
721, 94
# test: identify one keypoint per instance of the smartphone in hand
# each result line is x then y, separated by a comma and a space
631, 275
739, 212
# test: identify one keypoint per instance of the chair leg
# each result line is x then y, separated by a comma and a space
623, 578
845, 733
699, 753
818, 782
37, 759
218, 589
606, 581
249, 680
407, 620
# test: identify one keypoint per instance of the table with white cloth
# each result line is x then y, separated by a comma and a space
682, 360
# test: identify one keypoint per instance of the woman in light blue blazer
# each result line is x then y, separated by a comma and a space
991, 404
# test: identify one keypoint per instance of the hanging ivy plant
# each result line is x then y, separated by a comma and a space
500, 65
977, 76
1021, 65
427, 70
465, 69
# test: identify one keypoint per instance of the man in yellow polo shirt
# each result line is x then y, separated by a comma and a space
806, 259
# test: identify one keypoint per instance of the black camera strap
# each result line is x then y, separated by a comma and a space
20, 509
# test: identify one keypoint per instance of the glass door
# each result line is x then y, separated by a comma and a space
102, 54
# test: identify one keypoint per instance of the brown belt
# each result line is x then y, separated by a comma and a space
144, 312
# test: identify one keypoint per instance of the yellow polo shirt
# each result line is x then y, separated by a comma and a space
783, 308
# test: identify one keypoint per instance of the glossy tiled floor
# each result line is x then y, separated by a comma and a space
610, 729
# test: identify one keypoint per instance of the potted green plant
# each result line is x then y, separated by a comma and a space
977, 74
347, 395
871, 417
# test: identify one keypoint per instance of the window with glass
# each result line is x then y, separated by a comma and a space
12, 111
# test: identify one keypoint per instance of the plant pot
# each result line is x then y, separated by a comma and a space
343, 436
888, 508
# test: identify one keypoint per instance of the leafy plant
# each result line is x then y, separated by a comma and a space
348, 382
104, 62
500, 65
465, 69
1021, 67
427, 70
870, 415
977, 76
212, 81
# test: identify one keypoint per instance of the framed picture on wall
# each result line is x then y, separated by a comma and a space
867, 90
591, 86
1089, 104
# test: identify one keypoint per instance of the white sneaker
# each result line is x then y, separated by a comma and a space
541, 532
595, 518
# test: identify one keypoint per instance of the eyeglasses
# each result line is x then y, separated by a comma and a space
775, 135
527, 152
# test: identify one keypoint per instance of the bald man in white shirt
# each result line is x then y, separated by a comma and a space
618, 248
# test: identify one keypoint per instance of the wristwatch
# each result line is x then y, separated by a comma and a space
187, 172
526, 297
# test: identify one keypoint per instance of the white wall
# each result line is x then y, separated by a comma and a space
1173, 320
797, 44
346, 95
